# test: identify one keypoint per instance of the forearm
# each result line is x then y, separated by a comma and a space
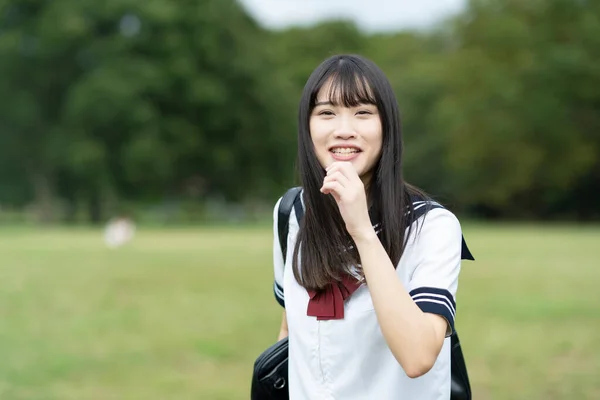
411, 334
283, 330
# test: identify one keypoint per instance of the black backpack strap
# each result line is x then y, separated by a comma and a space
290, 199
459, 376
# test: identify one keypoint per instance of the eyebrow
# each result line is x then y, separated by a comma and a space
329, 103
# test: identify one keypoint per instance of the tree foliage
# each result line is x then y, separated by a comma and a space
121, 101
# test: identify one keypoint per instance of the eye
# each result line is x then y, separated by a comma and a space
364, 112
326, 112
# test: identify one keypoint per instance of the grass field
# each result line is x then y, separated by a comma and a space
181, 314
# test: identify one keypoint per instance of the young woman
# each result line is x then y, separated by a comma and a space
368, 292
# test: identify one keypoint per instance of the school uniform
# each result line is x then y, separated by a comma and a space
348, 358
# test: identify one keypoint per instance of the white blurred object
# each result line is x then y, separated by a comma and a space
118, 232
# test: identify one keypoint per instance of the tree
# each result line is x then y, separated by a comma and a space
518, 110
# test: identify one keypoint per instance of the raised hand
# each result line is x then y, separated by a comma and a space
346, 187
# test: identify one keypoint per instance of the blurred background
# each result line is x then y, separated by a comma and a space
143, 146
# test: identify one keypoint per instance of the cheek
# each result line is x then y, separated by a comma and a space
375, 137
319, 138
379, 142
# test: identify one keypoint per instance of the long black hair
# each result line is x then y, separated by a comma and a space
326, 249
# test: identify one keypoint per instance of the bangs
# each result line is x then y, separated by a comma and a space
345, 87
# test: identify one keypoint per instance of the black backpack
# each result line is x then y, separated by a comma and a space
270, 374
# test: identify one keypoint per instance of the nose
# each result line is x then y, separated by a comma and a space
345, 130
345, 135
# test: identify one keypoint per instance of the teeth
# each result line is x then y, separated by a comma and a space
346, 150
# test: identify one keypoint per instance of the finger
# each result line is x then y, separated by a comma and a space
333, 187
337, 176
337, 165
346, 168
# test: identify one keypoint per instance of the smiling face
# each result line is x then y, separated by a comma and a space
344, 128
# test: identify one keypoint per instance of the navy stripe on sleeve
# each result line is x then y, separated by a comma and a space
278, 290
436, 301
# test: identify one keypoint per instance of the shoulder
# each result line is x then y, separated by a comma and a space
440, 218
437, 226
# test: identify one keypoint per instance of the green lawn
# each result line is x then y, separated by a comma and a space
181, 314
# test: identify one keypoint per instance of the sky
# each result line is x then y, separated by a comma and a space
371, 15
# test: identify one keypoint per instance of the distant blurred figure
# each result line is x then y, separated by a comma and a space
119, 231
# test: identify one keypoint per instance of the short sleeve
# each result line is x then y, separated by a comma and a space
437, 252
278, 264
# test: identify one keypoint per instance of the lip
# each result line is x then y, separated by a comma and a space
345, 157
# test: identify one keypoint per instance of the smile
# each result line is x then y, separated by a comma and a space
344, 153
